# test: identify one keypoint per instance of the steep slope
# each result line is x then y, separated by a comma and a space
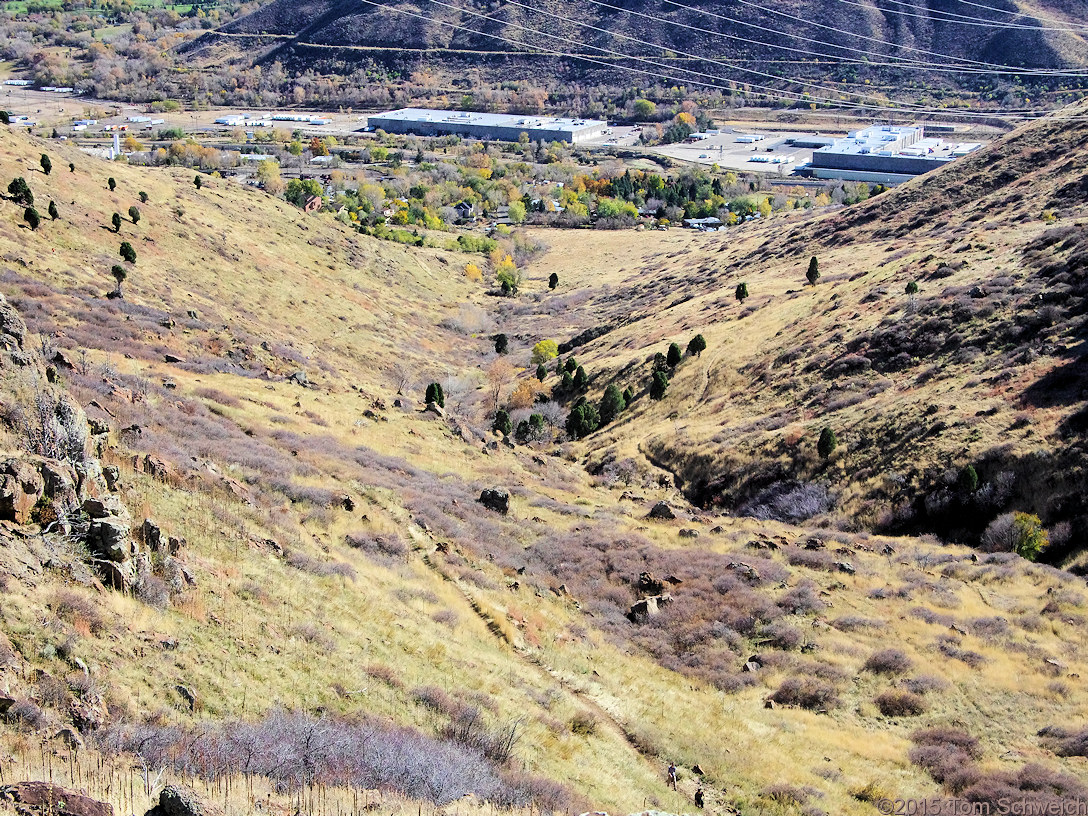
983, 367
326, 33
340, 565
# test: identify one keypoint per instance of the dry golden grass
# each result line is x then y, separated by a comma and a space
255, 270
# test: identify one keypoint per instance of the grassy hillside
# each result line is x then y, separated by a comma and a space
340, 566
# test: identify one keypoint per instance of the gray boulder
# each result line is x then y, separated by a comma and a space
111, 538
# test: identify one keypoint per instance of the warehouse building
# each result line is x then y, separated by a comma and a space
496, 126
885, 154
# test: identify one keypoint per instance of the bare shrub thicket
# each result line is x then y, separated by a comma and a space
1064, 741
888, 661
806, 692
900, 703
307, 563
297, 751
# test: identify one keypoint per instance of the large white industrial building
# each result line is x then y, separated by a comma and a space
885, 154
498, 126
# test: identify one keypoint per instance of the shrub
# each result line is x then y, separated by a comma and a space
827, 443
806, 692
658, 385
674, 356
925, 683
78, 611
502, 422
888, 662
30, 215
127, 252
697, 345
434, 395
584, 724
134, 214
1021, 533
1064, 742
383, 545
896, 703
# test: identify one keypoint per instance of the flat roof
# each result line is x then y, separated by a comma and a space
488, 119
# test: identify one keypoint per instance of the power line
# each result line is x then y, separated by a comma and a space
963, 18
914, 64
672, 79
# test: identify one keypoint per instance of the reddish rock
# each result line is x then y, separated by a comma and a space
41, 798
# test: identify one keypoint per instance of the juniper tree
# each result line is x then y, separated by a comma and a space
116, 222
502, 422
553, 280
71, 167
658, 385
581, 379
47, 165
119, 275
612, 404
5, 117
30, 215
434, 395
741, 293
127, 252
582, 420
20, 193
697, 345
134, 214
827, 443
571, 365
541, 372
197, 181
143, 197
54, 213
813, 273
674, 355
112, 183
501, 343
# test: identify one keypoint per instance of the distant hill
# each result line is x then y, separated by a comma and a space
336, 34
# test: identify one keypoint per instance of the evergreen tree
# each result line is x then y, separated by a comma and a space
119, 275
434, 395
582, 420
827, 443
553, 280
628, 396
127, 252
501, 343
581, 380
30, 215
661, 363
741, 293
968, 480
134, 214
143, 197
5, 117
813, 273
567, 384
674, 356
116, 222
502, 422
658, 385
697, 345
71, 167
197, 181
541, 372
20, 193
112, 183
54, 213
612, 403
47, 165
571, 365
